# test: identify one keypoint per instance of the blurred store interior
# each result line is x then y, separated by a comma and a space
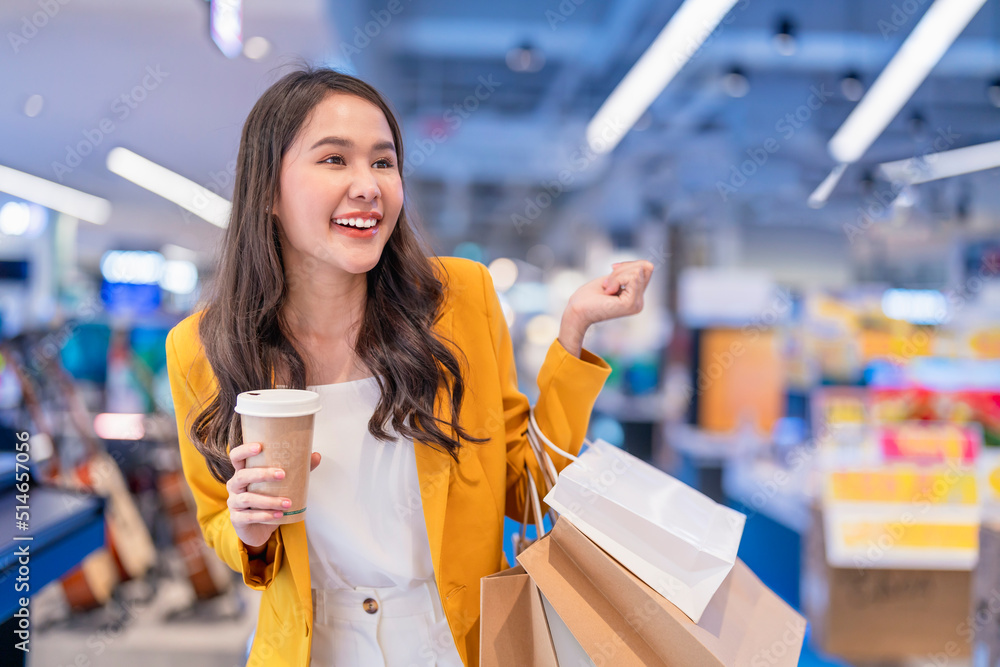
815, 182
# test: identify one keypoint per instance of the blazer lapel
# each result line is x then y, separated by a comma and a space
434, 466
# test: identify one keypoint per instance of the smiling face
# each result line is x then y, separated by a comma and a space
342, 165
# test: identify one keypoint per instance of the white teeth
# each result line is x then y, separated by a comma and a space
362, 223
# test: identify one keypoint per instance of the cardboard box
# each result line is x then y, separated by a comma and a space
621, 621
883, 614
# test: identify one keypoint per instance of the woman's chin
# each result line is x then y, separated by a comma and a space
360, 264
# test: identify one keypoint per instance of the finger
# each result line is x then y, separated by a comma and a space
612, 283
246, 476
646, 270
625, 276
642, 266
615, 270
638, 275
630, 264
257, 501
247, 517
314, 460
239, 455
620, 282
632, 288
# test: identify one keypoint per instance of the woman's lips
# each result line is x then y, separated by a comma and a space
358, 232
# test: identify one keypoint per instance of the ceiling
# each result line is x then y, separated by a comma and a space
429, 55
91, 53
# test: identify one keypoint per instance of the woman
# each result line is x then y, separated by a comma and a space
322, 284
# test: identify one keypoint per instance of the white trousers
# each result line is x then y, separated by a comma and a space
381, 627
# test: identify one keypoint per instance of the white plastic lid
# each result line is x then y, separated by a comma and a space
277, 403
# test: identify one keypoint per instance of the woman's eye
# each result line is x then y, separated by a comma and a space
385, 162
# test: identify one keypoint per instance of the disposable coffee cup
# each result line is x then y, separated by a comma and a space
281, 420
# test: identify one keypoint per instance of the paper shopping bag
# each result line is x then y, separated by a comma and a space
569, 652
986, 591
621, 621
679, 541
512, 628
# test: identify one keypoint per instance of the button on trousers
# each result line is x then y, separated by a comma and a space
379, 627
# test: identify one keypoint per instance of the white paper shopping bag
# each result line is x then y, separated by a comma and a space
679, 541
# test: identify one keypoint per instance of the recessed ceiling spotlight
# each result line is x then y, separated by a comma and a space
735, 83
525, 58
33, 106
851, 86
867, 182
784, 37
256, 48
993, 92
917, 123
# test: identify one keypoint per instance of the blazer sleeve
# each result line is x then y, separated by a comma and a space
568, 387
211, 496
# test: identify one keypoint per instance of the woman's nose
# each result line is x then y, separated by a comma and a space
364, 186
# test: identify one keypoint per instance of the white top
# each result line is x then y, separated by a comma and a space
368, 541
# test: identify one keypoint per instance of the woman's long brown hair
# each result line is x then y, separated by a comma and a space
245, 338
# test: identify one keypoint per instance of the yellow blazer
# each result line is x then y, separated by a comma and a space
463, 503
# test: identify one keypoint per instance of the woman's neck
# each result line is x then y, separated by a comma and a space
325, 308
324, 316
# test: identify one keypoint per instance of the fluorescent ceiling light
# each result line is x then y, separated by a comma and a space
944, 164
226, 26
52, 195
823, 190
937, 29
173, 251
172, 186
683, 35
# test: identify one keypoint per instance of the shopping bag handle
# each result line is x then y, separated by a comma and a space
549, 473
532, 503
535, 504
537, 432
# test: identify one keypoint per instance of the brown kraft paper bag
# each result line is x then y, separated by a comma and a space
513, 630
619, 620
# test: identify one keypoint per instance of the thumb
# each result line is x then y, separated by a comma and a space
611, 285
314, 460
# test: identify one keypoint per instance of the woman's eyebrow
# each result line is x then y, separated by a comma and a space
347, 143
